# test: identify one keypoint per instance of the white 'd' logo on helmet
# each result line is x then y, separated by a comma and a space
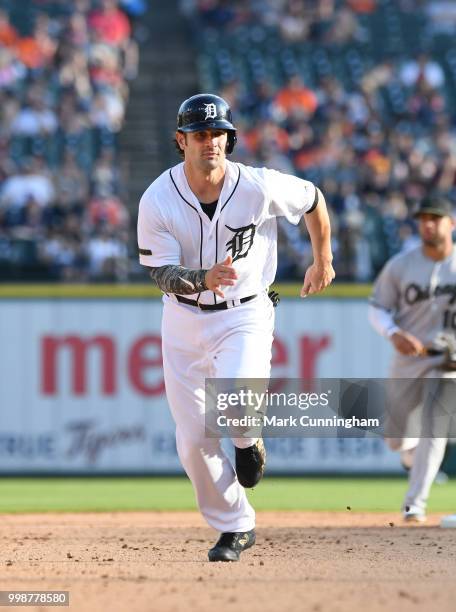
211, 111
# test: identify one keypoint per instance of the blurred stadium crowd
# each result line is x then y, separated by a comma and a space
64, 73
355, 95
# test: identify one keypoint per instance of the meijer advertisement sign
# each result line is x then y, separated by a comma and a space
82, 387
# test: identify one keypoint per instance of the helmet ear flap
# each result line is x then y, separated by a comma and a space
231, 141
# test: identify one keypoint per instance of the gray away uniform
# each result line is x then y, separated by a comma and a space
418, 295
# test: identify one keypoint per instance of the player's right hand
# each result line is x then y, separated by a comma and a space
407, 344
222, 274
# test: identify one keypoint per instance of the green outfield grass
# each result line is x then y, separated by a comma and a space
149, 290
119, 494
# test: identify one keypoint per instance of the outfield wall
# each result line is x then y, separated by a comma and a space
82, 385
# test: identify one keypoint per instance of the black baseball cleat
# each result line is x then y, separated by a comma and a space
230, 545
250, 464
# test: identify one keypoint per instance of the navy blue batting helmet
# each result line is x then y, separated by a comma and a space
204, 112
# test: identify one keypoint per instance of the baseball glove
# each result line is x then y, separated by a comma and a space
450, 361
445, 345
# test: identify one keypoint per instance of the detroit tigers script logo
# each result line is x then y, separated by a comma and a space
211, 111
241, 243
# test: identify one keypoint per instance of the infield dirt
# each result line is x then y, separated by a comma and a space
320, 562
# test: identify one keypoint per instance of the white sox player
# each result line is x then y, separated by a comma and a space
207, 229
414, 305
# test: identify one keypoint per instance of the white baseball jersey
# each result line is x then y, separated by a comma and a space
174, 230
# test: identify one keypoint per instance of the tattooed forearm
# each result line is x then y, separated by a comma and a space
177, 279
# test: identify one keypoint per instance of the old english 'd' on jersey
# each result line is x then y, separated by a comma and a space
174, 230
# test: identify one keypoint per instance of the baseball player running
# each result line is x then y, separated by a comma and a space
207, 230
414, 306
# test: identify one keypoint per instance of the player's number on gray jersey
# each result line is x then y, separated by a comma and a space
449, 319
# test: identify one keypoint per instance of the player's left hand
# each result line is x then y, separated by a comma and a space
318, 276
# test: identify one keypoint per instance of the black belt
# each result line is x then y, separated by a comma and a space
434, 352
220, 306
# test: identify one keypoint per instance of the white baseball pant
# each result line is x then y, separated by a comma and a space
233, 343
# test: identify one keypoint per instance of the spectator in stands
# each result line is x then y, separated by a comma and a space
378, 76
295, 23
111, 26
73, 118
107, 255
77, 31
105, 68
323, 19
408, 236
83, 7
32, 180
37, 51
441, 15
110, 23
64, 256
8, 33
258, 102
105, 174
295, 99
72, 186
107, 110
30, 222
74, 73
106, 210
362, 6
422, 70
310, 152
447, 177
344, 28
265, 134
425, 105
35, 118
12, 71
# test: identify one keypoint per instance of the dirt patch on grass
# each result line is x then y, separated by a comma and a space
315, 561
